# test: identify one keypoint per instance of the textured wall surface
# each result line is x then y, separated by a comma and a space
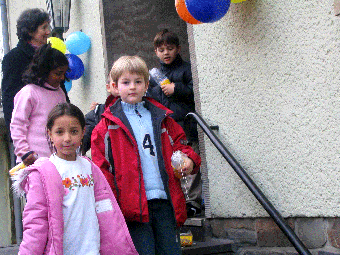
130, 27
269, 77
86, 16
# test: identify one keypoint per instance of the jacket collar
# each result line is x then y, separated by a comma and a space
115, 107
116, 114
178, 61
150, 102
26, 48
110, 100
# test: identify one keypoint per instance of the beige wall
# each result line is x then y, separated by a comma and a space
269, 76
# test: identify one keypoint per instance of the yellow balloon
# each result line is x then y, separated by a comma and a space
237, 1
57, 44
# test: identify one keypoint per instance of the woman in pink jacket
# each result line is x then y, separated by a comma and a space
70, 207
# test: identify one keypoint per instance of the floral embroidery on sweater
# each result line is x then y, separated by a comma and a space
79, 181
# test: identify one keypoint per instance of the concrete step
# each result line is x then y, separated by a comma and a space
197, 227
203, 243
213, 246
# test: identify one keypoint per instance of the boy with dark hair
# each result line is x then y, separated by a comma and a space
178, 96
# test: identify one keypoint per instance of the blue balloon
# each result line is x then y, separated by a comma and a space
75, 67
77, 43
207, 11
68, 85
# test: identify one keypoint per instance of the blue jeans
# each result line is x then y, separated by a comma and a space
159, 235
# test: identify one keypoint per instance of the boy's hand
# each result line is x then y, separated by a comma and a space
188, 167
93, 106
168, 89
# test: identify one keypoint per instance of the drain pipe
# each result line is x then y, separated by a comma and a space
4, 22
16, 200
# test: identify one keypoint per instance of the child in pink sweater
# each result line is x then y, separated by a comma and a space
34, 101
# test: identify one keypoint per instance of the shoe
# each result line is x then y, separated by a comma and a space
193, 211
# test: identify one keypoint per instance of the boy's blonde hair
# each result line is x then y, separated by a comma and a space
131, 64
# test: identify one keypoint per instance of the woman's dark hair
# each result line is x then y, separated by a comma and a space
60, 110
44, 61
165, 37
29, 21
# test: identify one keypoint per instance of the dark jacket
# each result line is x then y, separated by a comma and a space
14, 64
91, 120
121, 164
181, 102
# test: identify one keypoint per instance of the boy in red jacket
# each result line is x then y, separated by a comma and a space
133, 145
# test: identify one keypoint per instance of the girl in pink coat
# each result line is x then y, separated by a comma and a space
70, 207
35, 100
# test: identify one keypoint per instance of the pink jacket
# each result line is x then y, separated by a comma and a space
43, 216
32, 105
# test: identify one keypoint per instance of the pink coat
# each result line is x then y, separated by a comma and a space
32, 105
43, 216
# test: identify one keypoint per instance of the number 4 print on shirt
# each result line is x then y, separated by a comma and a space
147, 144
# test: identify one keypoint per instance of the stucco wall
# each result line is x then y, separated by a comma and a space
85, 16
269, 77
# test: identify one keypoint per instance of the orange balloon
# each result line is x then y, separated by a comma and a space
183, 12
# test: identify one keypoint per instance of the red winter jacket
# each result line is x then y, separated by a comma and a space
124, 174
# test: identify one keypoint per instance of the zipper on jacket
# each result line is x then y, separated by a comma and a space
140, 180
137, 154
140, 176
167, 184
137, 112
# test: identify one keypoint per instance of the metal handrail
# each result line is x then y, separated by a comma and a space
274, 214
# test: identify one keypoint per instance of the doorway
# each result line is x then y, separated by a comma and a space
130, 27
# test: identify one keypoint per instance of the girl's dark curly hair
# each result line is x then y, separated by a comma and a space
29, 21
44, 61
